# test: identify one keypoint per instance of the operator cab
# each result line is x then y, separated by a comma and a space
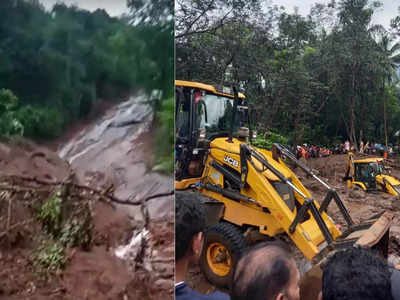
202, 114
366, 173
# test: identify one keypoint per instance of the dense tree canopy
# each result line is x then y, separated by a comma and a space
323, 78
56, 65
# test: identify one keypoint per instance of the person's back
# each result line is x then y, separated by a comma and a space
189, 226
395, 283
356, 274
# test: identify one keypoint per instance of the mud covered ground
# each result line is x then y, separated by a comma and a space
116, 256
361, 206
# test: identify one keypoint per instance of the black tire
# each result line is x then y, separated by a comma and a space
233, 240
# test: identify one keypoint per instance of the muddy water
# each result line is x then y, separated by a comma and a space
115, 151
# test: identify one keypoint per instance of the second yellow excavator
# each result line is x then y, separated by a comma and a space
370, 174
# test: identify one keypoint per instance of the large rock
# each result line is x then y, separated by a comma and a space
356, 193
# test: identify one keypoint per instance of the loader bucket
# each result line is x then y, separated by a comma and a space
373, 234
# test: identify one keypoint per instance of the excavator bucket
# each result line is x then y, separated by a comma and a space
373, 234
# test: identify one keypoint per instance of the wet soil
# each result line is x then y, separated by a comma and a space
146, 269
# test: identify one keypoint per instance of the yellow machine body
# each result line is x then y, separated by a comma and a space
307, 236
370, 174
206, 87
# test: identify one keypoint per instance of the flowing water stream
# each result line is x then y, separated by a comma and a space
114, 151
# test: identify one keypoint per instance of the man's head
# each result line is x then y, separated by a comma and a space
356, 274
266, 271
189, 225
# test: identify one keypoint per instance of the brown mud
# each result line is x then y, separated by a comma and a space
31, 173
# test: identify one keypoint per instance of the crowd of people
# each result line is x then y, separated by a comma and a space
312, 151
368, 148
306, 151
268, 270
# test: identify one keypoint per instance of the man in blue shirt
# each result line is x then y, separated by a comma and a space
189, 227
395, 284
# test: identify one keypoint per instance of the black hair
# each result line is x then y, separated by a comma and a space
356, 274
262, 272
189, 220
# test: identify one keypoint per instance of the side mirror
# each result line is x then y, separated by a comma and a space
243, 132
202, 134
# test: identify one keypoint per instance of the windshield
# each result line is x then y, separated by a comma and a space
368, 170
378, 167
214, 114
243, 116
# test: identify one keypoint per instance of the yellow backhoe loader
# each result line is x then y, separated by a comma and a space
251, 192
370, 174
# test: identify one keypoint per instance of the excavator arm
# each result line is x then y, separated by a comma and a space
349, 174
378, 225
331, 194
308, 225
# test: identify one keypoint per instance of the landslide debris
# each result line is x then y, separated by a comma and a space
58, 236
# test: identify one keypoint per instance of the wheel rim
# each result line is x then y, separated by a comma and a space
219, 259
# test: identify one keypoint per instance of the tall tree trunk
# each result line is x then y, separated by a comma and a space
352, 137
297, 139
346, 125
384, 113
299, 127
384, 116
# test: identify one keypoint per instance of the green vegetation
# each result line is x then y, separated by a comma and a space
50, 256
49, 214
165, 136
66, 224
9, 120
55, 66
265, 141
319, 78
77, 230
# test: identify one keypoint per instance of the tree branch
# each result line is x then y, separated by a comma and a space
220, 23
100, 193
